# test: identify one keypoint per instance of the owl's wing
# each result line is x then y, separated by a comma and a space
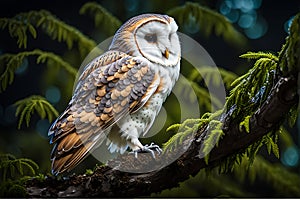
104, 94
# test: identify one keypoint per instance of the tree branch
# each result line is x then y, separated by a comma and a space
110, 182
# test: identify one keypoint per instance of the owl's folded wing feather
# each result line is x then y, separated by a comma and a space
107, 90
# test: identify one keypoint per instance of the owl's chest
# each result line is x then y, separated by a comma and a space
142, 119
168, 77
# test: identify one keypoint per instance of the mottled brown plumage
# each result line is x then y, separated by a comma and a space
121, 88
110, 96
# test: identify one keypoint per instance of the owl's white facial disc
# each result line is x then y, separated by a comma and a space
158, 42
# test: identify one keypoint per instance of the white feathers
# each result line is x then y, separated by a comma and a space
154, 38
165, 38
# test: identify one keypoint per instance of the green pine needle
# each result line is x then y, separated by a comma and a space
102, 17
14, 61
26, 107
12, 168
22, 23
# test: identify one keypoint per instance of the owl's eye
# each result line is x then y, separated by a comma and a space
170, 35
151, 38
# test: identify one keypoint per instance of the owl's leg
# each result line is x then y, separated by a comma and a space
149, 149
137, 147
135, 125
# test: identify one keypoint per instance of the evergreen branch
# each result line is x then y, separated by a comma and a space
14, 61
293, 115
269, 140
258, 55
215, 134
252, 88
28, 164
26, 107
285, 137
211, 20
102, 17
187, 128
9, 163
55, 28
289, 56
18, 29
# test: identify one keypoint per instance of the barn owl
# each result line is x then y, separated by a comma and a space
119, 93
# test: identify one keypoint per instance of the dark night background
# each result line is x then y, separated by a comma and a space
274, 16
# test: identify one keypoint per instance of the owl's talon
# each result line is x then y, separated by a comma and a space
148, 149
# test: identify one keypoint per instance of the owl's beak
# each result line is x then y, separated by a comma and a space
166, 53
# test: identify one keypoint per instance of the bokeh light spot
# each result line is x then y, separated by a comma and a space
256, 4
42, 127
247, 5
246, 20
224, 9
237, 4
287, 24
53, 94
233, 15
244, 13
290, 157
228, 3
257, 30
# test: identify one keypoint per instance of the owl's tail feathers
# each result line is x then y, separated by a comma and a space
71, 144
63, 160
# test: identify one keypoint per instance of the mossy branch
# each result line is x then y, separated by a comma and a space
133, 185
14, 61
250, 89
211, 20
26, 107
102, 17
188, 127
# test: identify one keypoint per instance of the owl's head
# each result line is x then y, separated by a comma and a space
152, 36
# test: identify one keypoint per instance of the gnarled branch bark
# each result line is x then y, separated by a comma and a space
111, 182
